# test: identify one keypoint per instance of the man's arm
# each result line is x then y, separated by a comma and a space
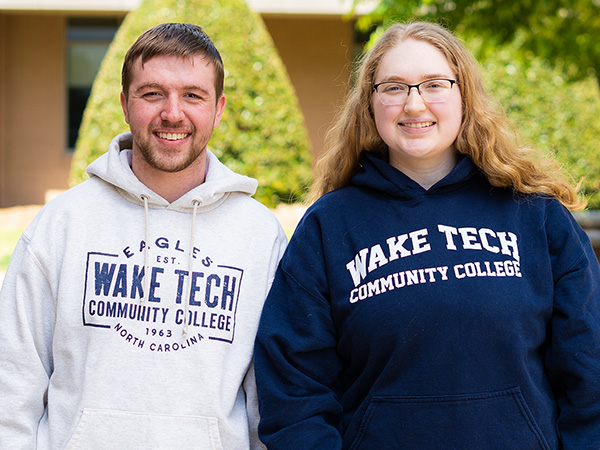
27, 317
252, 409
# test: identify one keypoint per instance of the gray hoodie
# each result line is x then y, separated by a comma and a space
96, 351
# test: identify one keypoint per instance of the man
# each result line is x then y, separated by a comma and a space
130, 306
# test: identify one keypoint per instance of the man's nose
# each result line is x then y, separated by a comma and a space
173, 111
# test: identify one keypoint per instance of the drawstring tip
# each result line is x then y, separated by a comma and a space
184, 333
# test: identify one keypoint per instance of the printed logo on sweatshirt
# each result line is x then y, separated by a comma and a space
149, 308
482, 240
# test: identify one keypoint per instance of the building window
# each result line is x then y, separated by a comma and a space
87, 42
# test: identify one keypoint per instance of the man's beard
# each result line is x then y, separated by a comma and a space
157, 160
159, 163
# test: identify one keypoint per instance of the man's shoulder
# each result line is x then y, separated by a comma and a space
251, 214
74, 201
251, 206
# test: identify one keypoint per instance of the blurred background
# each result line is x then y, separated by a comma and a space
541, 61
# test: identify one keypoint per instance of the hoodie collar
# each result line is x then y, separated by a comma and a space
379, 175
114, 167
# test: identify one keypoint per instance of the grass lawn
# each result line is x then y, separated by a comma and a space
8, 240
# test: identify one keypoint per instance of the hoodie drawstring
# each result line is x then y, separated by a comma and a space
196, 203
146, 275
188, 289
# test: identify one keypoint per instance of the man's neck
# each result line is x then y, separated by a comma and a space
170, 185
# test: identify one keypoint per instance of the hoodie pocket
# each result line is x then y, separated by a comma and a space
110, 429
497, 420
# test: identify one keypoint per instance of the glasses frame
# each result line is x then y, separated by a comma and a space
410, 86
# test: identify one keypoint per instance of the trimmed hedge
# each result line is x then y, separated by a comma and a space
262, 132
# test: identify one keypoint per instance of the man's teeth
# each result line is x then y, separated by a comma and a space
171, 136
418, 125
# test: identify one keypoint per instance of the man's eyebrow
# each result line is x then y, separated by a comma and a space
149, 86
194, 87
185, 88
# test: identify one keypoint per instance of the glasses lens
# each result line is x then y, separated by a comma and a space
432, 91
392, 93
435, 91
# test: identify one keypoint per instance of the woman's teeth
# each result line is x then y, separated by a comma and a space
417, 125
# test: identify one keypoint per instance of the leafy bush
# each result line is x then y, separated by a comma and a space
262, 132
552, 114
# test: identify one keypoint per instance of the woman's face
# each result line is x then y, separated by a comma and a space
420, 135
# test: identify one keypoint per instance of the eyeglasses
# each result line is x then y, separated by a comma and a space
395, 93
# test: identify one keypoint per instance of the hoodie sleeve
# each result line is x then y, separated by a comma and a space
574, 353
252, 409
250, 378
26, 324
297, 365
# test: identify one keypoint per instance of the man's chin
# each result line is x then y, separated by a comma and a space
173, 165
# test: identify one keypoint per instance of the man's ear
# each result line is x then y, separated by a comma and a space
124, 106
219, 112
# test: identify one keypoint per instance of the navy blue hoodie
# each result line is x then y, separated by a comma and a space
459, 317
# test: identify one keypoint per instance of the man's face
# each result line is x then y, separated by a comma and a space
171, 109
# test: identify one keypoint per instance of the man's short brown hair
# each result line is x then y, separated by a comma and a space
173, 39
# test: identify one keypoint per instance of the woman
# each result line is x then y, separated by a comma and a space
438, 295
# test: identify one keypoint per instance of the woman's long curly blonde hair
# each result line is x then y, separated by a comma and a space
486, 135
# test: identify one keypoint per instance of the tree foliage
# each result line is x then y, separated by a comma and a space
550, 113
564, 32
262, 132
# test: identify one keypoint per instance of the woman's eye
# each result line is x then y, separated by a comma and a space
394, 88
436, 84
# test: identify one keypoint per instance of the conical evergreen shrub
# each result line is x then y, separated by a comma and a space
262, 133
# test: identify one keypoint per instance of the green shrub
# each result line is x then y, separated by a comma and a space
553, 115
262, 133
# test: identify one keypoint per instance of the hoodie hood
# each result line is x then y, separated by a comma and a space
114, 167
378, 175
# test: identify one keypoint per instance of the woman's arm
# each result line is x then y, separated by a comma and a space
297, 366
